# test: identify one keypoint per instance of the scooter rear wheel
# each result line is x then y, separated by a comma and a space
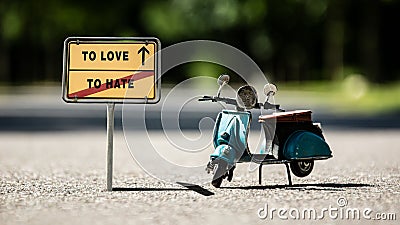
302, 168
219, 173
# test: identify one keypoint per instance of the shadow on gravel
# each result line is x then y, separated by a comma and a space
319, 187
189, 187
148, 189
196, 188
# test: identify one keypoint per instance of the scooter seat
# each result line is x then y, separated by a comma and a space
291, 116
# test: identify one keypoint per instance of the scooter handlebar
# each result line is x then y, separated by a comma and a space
230, 101
206, 98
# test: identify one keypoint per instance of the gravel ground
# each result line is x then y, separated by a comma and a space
59, 178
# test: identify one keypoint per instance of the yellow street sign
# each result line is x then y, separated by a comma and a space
111, 70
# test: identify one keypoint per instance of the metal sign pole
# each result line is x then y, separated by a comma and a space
110, 143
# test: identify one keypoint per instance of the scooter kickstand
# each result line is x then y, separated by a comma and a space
230, 173
288, 174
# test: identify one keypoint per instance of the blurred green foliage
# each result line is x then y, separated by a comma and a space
353, 95
292, 40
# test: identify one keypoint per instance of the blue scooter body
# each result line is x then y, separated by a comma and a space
230, 135
230, 140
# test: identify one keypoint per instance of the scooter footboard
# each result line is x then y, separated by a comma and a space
306, 145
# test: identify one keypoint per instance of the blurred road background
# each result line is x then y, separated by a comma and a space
36, 108
338, 58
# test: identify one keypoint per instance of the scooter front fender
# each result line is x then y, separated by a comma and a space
224, 152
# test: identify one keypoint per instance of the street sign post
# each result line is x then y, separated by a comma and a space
111, 70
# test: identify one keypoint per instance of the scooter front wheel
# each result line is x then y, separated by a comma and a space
219, 172
302, 168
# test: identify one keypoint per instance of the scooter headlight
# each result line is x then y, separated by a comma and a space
246, 97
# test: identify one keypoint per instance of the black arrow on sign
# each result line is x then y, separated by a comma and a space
143, 50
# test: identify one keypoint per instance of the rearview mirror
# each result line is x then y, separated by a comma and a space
270, 90
223, 79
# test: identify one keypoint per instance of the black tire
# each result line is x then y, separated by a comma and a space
302, 168
220, 173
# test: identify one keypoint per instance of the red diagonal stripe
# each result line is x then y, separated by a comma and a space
103, 87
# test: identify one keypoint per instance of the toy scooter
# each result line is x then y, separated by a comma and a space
291, 138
